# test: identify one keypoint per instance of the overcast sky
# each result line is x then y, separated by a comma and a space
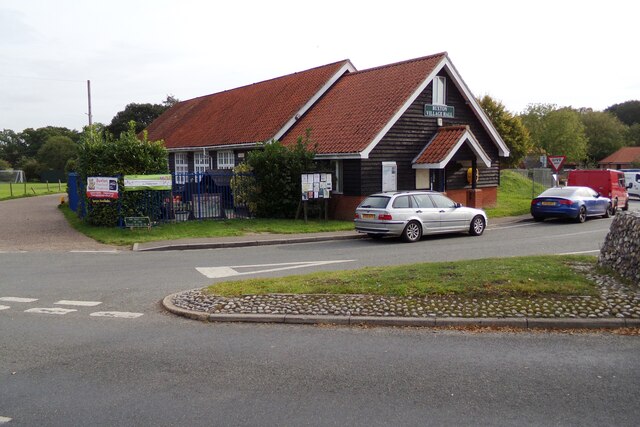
570, 53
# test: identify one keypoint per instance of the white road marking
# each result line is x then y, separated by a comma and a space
581, 252
53, 310
119, 314
228, 271
4, 307
113, 251
78, 303
18, 299
4, 420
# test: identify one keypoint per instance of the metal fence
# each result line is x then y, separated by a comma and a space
193, 196
539, 177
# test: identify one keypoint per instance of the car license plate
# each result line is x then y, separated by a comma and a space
368, 216
548, 203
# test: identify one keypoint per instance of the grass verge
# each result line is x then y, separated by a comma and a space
29, 189
514, 195
207, 228
495, 277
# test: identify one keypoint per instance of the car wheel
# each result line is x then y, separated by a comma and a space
608, 212
375, 236
582, 214
412, 232
477, 226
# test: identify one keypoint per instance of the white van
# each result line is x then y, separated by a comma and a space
632, 178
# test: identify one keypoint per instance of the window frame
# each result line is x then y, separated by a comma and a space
181, 166
439, 91
225, 159
201, 162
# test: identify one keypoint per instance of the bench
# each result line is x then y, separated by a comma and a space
132, 222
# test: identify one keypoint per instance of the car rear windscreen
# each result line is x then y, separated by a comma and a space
375, 202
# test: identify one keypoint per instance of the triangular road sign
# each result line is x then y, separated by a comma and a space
556, 162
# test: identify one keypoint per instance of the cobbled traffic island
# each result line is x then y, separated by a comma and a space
616, 300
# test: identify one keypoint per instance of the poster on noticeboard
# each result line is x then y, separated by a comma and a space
316, 186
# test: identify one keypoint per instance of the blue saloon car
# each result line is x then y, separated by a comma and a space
576, 203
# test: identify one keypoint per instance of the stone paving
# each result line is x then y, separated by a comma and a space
616, 300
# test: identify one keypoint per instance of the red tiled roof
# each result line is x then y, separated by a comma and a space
441, 144
350, 115
247, 114
623, 155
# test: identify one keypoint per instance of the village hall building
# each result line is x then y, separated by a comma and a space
403, 126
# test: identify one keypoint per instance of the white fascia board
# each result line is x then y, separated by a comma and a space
365, 153
338, 156
475, 147
479, 112
347, 67
215, 147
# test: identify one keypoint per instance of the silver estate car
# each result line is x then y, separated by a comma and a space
410, 214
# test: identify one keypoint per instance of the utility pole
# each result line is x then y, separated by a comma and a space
89, 99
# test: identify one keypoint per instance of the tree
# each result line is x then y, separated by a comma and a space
56, 152
510, 128
605, 134
36, 138
277, 170
628, 112
4, 165
556, 131
633, 135
142, 114
12, 146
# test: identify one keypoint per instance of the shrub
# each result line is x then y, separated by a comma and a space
277, 169
99, 154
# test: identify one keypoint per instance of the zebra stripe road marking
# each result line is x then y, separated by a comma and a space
54, 310
18, 299
78, 303
116, 314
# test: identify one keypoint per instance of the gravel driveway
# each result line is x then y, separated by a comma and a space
35, 224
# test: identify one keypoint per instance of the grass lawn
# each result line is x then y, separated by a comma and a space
496, 277
29, 189
514, 195
514, 198
207, 228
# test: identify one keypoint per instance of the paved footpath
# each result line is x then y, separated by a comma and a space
36, 224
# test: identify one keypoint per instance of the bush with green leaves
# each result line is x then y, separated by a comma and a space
244, 187
277, 169
99, 154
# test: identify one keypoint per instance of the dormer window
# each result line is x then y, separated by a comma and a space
439, 91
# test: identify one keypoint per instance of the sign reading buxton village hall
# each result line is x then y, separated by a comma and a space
443, 111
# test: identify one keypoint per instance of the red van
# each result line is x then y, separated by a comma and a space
608, 182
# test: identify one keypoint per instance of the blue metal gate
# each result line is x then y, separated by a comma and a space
193, 196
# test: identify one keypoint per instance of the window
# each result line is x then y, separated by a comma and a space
401, 202
226, 160
442, 201
338, 184
439, 91
200, 162
181, 167
423, 201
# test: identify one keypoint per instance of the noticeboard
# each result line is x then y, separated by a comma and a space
316, 185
